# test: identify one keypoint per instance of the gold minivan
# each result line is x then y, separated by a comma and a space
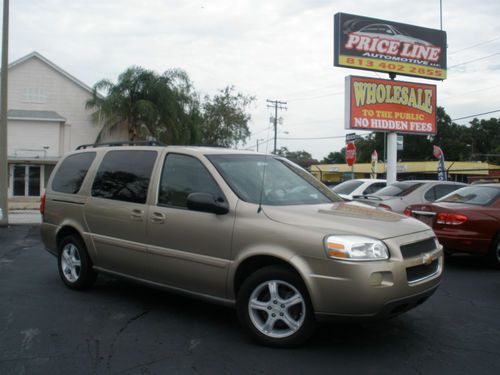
245, 229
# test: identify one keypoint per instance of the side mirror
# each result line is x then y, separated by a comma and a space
206, 202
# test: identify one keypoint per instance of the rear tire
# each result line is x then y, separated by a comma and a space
75, 266
274, 308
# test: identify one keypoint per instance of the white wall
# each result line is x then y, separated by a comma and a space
34, 85
23, 136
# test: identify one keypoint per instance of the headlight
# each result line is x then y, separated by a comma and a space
360, 248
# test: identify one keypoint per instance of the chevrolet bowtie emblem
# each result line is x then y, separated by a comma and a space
427, 259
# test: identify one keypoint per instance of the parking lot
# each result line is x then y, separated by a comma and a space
122, 328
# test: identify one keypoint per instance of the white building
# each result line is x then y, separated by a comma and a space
46, 118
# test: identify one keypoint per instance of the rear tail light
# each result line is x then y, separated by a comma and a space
407, 211
42, 204
384, 206
450, 219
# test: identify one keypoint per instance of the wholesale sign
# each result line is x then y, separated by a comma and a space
390, 106
373, 44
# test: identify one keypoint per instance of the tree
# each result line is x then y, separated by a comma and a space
302, 158
167, 108
225, 120
484, 140
130, 103
335, 157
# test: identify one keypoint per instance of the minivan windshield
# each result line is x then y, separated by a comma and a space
271, 180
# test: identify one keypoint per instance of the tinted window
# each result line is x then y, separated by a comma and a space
183, 175
398, 189
374, 187
124, 175
473, 195
69, 176
439, 191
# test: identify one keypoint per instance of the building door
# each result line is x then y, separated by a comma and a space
26, 180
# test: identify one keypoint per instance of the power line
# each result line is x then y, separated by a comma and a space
312, 138
317, 97
477, 114
471, 61
475, 45
261, 131
468, 92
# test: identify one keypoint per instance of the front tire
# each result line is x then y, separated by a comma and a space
75, 266
274, 308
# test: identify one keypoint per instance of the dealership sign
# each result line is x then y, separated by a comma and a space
373, 44
390, 106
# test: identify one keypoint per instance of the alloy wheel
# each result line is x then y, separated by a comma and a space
277, 309
71, 262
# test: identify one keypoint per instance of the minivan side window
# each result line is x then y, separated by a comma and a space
124, 175
181, 176
70, 175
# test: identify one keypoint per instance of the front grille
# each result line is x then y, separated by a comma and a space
416, 273
418, 248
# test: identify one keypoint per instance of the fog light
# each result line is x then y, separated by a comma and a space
383, 278
376, 279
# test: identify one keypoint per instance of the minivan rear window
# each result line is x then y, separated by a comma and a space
124, 175
70, 175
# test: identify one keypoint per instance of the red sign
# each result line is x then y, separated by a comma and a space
390, 106
350, 154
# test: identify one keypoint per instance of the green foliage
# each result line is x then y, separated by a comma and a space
302, 158
225, 120
167, 108
335, 157
479, 141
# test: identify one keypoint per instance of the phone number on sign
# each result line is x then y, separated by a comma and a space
402, 68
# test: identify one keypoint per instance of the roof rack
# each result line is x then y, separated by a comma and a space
122, 143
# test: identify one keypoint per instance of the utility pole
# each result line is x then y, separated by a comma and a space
4, 173
276, 104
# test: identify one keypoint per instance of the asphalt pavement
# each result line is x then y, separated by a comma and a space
122, 328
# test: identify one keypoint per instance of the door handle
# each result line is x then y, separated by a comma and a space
136, 214
158, 218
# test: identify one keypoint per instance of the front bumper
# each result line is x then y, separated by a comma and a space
378, 288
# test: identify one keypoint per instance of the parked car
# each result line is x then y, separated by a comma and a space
399, 195
361, 186
244, 229
466, 221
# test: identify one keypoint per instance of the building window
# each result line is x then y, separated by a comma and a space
35, 95
26, 180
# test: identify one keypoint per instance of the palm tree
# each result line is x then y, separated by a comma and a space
130, 103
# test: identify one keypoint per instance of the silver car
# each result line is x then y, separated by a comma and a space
397, 196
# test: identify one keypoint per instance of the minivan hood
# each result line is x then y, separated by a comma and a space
347, 217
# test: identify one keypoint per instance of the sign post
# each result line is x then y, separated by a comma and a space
350, 156
373, 175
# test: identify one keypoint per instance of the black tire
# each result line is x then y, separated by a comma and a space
74, 264
283, 311
494, 254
